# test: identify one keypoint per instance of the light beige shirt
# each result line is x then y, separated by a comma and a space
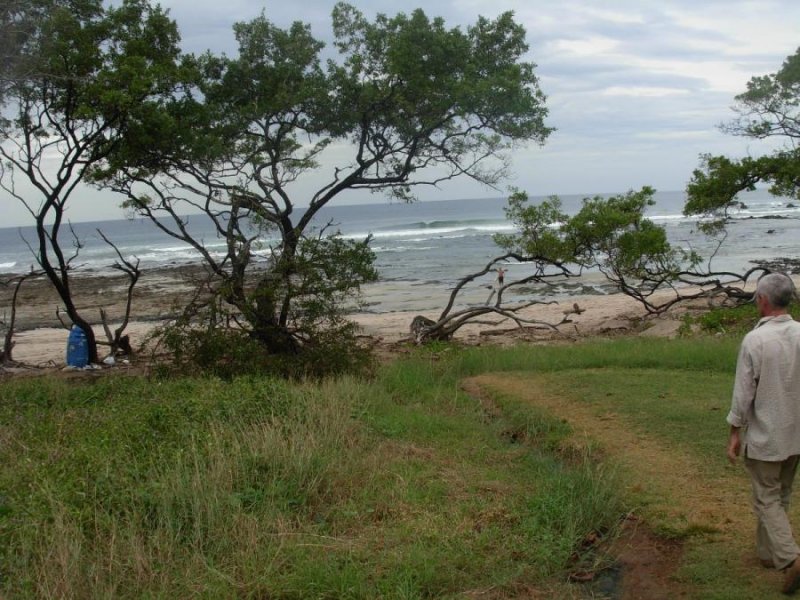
766, 393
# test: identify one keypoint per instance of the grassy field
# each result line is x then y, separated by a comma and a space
403, 486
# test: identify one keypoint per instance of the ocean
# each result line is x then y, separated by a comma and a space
424, 248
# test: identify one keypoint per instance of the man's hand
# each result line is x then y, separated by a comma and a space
734, 445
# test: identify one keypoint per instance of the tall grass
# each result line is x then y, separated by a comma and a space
399, 487
198, 487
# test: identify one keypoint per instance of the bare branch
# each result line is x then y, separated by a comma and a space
16, 281
132, 271
423, 329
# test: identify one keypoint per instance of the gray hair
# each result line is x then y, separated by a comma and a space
777, 288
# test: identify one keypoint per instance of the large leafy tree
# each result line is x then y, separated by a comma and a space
769, 109
408, 103
18, 19
611, 236
83, 77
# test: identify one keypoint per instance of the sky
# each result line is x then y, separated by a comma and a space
636, 90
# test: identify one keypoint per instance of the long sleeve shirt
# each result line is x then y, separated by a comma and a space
766, 393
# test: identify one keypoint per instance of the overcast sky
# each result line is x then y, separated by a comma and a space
636, 89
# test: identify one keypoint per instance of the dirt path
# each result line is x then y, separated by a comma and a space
669, 477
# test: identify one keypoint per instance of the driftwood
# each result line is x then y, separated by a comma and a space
687, 285
424, 330
575, 310
419, 327
116, 340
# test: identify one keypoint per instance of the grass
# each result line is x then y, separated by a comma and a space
394, 488
670, 398
399, 487
684, 412
683, 408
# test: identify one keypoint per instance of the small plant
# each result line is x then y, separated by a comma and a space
685, 329
733, 320
728, 320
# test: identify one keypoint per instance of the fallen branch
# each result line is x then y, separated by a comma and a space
6, 356
423, 329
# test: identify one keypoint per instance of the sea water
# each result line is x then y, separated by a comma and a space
423, 249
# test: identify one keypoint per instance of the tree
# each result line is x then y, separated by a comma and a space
19, 24
770, 108
611, 236
84, 78
413, 103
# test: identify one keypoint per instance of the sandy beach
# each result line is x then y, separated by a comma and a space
41, 340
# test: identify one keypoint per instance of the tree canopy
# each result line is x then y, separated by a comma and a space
408, 103
81, 77
610, 235
770, 108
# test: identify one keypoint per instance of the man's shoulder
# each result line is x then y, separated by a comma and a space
782, 322
771, 329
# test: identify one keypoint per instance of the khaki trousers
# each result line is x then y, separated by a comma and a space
772, 490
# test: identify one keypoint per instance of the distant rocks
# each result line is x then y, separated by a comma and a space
783, 264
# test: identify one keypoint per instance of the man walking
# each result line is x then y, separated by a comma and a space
765, 422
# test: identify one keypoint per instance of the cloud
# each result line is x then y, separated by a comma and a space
636, 88
642, 91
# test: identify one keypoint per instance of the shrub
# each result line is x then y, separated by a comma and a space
226, 353
734, 320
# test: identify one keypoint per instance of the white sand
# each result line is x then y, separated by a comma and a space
46, 346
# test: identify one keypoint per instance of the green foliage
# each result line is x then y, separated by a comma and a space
450, 93
91, 69
769, 108
614, 235
225, 352
237, 328
159, 475
419, 103
611, 234
729, 320
216, 352
327, 273
736, 320
306, 296
20, 21
770, 104
537, 228
82, 79
402, 486
254, 486
713, 189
